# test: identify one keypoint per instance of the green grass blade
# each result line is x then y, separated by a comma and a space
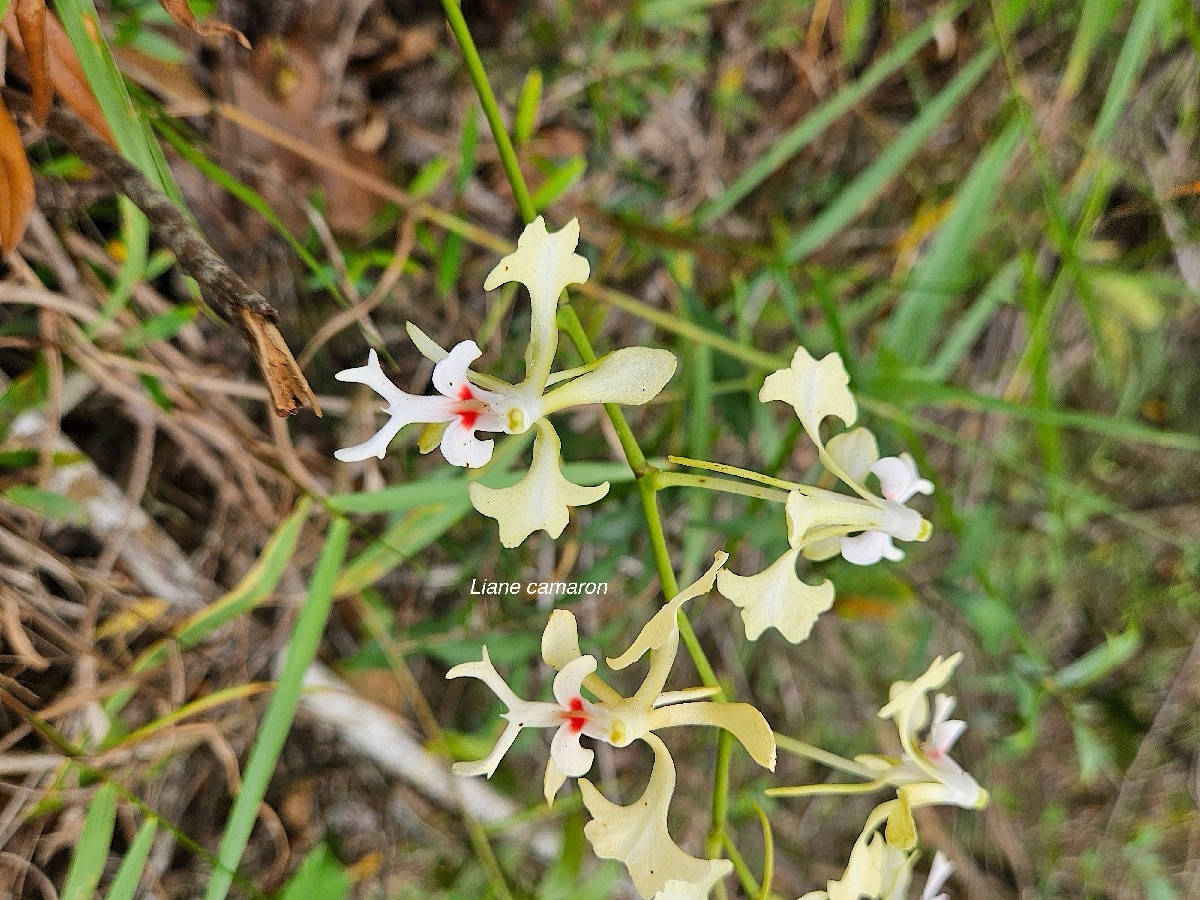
255, 586
1130, 62
946, 396
814, 124
91, 853
302, 648
851, 201
971, 324
125, 883
944, 269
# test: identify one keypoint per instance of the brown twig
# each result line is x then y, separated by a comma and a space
239, 302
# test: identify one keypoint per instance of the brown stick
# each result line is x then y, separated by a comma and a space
239, 302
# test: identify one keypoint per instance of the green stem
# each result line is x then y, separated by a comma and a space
824, 757
745, 876
738, 472
708, 483
491, 109
720, 804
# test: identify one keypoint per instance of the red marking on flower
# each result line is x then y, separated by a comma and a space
468, 417
577, 721
465, 393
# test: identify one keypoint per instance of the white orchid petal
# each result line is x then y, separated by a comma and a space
487, 765
426, 346
898, 478
868, 548
450, 375
664, 624
568, 754
630, 376
855, 451
777, 598
484, 671
808, 514
696, 890
864, 871
462, 448
545, 263
908, 704
569, 680
372, 376
637, 834
939, 871
376, 445
540, 500
741, 720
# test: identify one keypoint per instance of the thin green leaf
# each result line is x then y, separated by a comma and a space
559, 182
58, 507
91, 851
1099, 661
814, 124
970, 325
944, 269
528, 101
320, 877
125, 884
954, 397
301, 650
162, 327
868, 185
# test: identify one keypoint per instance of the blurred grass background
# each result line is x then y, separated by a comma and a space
988, 208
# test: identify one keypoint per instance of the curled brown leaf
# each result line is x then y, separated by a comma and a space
31, 22
66, 73
288, 387
183, 15
16, 183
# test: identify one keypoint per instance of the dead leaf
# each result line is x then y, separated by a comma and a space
18, 640
288, 387
66, 74
16, 183
182, 14
31, 22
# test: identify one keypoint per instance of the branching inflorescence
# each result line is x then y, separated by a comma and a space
860, 526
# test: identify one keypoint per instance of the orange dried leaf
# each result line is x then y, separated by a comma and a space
66, 73
16, 183
31, 21
183, 15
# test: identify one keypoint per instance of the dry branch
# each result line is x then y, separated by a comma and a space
240, 303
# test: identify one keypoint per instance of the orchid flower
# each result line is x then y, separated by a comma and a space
925, 773
879, 870
468, 402
636, 835
822, 523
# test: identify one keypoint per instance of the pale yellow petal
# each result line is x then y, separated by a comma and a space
855, 451
777, 598
545, 262
560, 640
552, 781
637, 835
741, 720
540, 500
814, 389
663, 625
698, 890
630, 376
